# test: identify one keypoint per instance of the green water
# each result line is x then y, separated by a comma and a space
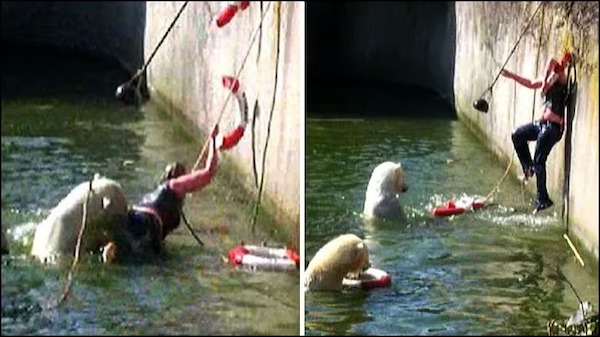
492, 272
60, 125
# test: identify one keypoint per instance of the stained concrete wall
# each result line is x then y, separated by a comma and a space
187, 72
486, 34
114, 29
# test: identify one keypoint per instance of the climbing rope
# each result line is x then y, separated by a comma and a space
537, 60
255, 113
513, 50
260, 35
495, 189
570, 98
126, 92
68, 285
540, 6
568, 119
237, 75
143, 69
274, 98
187, 224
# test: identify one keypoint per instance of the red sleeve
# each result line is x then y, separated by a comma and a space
233, 138
195, 180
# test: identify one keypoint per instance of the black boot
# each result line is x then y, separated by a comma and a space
541, 205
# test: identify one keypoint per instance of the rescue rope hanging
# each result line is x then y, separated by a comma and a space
537, 61
570, 106
255, 114
481, 104
237, 75
464, 204
126, 92
570, 100
68, 285
274, 98
187, 224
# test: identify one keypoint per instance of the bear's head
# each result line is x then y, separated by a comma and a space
360, 261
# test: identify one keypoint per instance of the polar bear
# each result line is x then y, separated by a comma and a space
386, 183
344, 256
106, 212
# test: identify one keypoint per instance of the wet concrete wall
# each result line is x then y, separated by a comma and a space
115, 29
409, 43
187, 71
486, 34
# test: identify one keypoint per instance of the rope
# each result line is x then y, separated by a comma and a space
567, 166
143, 69
221, 113
255, 112
187, 224
494, 190
537, 60
568, 132
253, 134
68, 285
514, 48
560, 273
260, 34
237, 75
264, 158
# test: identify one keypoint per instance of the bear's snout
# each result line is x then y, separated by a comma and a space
404, 188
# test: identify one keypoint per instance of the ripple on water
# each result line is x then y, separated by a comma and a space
490, 271
187, 291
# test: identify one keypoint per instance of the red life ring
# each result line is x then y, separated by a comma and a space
227, 13
264, 258
369, 279
450, 208
233, 137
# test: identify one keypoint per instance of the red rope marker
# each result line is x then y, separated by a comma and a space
231, 83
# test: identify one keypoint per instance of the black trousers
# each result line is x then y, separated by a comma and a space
546, 134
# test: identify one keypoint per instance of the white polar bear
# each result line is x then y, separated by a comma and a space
386, 183
344, 256
106, 210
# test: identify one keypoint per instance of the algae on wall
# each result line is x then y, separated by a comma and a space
486, 35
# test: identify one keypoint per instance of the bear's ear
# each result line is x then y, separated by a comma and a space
360, 247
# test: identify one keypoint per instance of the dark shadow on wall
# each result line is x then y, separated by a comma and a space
113, 29
403, 48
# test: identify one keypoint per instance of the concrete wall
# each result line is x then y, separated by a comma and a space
115, 28
486, 33
187, 72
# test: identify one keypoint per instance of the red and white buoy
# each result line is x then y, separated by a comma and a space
458, 207
369, 279
264, 258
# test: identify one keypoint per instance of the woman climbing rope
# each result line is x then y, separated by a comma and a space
159, 212
546, 131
